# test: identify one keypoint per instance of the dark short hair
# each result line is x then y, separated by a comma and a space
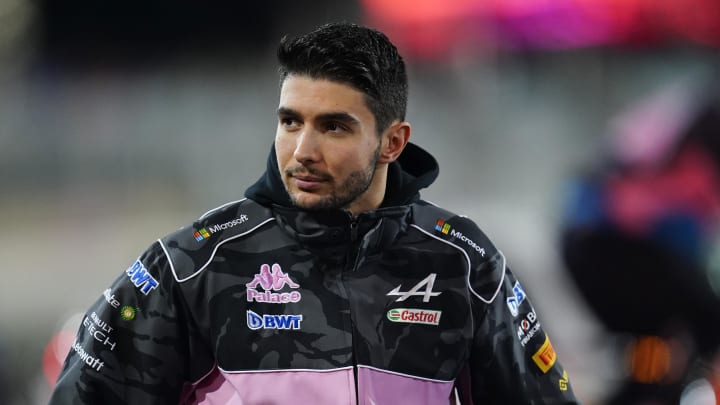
358, 56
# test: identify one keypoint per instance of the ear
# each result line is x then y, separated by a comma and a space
393, 141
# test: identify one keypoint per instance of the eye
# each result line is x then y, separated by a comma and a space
289, 123
333, 126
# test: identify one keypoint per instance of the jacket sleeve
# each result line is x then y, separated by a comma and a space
136, 343
512, 359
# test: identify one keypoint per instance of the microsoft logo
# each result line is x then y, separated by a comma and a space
201, 234
205, 233
442, 226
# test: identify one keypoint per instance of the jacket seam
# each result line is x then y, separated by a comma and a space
469, 262
405, 375
189, 314
329, 370
212, 255
206, 375
220, 207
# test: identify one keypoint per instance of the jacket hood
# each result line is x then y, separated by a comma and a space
414, 170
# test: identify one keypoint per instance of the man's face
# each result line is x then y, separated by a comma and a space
326, 144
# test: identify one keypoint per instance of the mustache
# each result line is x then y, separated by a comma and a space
307, 170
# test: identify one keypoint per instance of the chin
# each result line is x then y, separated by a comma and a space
306, 202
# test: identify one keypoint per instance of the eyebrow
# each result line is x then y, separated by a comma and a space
329, 116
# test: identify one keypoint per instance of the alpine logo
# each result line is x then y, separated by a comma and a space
410, 315
428, 282
518, 297
256, 321
206, 232
269, 281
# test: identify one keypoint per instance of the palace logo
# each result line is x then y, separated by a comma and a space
270, 281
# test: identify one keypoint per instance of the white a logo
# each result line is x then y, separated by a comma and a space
428, 282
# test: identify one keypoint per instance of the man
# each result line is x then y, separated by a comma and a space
332, 282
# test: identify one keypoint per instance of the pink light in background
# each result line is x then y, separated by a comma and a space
436, 28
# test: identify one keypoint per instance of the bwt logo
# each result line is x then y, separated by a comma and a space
274, 280
518, 297
141, 278
256, 321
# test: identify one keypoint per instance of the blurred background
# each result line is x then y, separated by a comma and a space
121, 121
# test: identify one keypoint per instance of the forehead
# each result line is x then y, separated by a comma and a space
311, 96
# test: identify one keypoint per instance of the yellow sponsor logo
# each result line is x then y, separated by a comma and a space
545, 357
564, 381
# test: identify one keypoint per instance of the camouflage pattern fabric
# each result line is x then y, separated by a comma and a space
410, 296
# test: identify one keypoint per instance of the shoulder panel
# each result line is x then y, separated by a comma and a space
486, 263
192, 247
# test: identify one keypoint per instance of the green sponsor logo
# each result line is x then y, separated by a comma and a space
414, 315
128, 313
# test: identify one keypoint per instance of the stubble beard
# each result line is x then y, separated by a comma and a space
355, 185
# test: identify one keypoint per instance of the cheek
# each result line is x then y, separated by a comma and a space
348, 161
283, 150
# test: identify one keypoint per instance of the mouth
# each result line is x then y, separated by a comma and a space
307, 182
308, 178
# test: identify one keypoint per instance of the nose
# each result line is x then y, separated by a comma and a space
307, 148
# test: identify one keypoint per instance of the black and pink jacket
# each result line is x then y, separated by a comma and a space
257, 302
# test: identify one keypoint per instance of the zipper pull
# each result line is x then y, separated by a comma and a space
353, 229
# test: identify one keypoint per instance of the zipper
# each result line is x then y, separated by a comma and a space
353, 229
352, 263
352, 337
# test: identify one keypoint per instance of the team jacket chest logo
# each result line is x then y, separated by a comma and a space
428, 282
270, 281
414, 315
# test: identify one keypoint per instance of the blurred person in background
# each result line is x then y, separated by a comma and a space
332, 282
640, 241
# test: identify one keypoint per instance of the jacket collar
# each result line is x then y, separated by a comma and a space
414, 170
337, 227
